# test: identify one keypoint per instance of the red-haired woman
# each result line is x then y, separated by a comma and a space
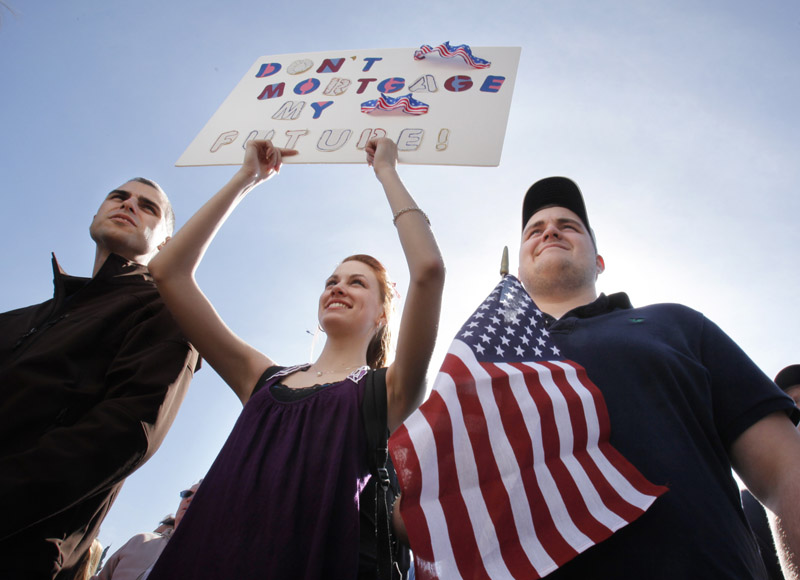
281, 499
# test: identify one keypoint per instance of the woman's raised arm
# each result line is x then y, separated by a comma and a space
173, 269
405, 378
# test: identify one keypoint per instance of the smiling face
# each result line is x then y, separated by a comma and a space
352, 300
557, 254
131, 222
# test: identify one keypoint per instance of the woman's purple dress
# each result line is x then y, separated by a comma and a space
281, 499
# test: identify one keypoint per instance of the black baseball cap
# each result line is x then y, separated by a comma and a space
788, 377
555, 191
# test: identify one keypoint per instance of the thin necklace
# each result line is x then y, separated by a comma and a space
320, 373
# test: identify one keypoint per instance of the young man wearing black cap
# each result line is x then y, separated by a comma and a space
685, 405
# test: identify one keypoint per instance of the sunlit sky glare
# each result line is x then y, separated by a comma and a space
677, 118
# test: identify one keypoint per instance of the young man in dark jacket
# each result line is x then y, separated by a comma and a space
90, 382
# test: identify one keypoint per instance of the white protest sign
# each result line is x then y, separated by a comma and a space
327, 105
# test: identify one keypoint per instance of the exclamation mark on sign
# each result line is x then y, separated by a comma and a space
441, 143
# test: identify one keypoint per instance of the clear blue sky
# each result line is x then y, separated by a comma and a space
678, 119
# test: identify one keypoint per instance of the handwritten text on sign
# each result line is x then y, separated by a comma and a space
329, 105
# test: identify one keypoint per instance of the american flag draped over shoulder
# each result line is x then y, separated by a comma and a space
506, 469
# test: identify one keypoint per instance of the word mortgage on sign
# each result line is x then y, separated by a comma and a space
442, 105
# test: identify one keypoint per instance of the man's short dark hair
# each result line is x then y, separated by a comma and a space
169, 214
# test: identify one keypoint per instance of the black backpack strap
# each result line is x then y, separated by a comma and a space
374, 415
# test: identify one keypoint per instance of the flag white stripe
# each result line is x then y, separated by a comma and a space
421, 436
467, 473
620, 483
508, 466
623, 487
564, 421
552, 496
589, 410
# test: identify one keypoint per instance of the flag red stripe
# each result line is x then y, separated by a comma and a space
459, 527
571, 495
611, 498
514, 425
574, 404
491, 484
637, 480
406, 464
